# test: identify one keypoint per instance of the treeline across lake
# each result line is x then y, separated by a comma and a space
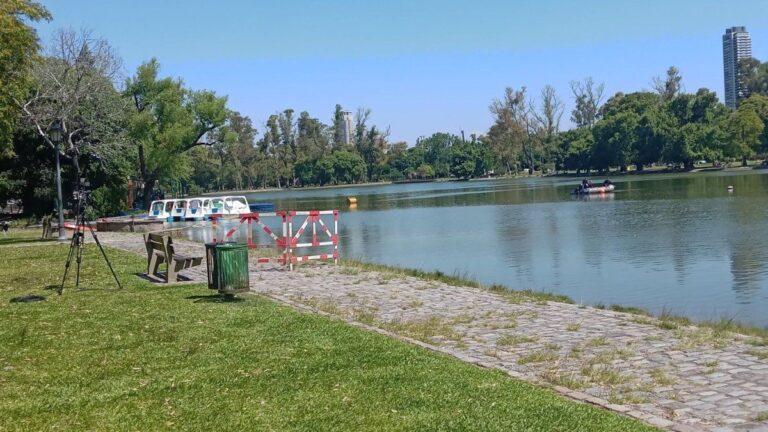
145, 135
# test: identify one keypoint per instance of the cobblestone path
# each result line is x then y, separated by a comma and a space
675, 376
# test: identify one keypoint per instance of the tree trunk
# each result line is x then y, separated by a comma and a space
743, 161
149, 190
149, 185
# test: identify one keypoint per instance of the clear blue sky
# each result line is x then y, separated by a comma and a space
422, 66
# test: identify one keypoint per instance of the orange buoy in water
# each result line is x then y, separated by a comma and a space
352, 200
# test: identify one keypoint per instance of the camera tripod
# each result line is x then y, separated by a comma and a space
78, 240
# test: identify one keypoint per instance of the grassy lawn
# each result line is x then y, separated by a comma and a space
154, 357
17, 236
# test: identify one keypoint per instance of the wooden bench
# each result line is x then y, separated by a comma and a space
160, 250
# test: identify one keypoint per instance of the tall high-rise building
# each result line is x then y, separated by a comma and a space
347, 124
737, 45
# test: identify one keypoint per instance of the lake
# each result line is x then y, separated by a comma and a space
676, 242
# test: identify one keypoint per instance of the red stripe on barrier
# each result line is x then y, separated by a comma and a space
263, 260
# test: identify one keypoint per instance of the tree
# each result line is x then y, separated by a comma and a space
166, 122
653, 131
287, 148
744, 129
348, 167
270, 144
647, 121
244, 152
615, 137
468, 159
587, 98
548, 121
575, 150
27, 174
669, 87
758, 104
754, 77
690, 142
74, 84
436, 152
234, 146
511, 136
425, 171
312, 144
18, 54
338, 127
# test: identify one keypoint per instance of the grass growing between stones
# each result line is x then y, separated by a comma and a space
512, 340
458, 280
563, 378
425, 330
666, 320
661, 378
573, 327
761, 355
152, 357
542, 356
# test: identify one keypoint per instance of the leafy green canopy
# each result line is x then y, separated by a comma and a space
167, 121
18, 53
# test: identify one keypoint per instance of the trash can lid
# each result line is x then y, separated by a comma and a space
231, 246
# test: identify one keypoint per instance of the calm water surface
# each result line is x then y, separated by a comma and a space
677, 242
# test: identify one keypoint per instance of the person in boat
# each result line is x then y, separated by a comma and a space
607, 183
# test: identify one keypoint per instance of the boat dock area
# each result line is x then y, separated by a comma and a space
672, 375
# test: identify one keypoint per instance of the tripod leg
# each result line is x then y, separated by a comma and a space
69, 262
80, 245
104, 254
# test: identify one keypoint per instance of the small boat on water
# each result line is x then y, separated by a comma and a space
594, 189
588, 188
193, 209
179, 209
160, 209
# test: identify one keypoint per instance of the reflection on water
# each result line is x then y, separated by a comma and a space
680, 242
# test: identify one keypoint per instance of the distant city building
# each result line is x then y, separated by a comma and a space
737, 45
348, 126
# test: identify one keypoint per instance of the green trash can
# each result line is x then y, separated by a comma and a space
210, 261
231, 268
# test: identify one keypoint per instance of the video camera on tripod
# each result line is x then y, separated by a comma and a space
82, 197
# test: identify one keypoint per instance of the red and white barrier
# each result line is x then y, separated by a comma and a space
329, 238
289, 241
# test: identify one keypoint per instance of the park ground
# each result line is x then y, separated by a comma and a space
362, 346
151, 356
